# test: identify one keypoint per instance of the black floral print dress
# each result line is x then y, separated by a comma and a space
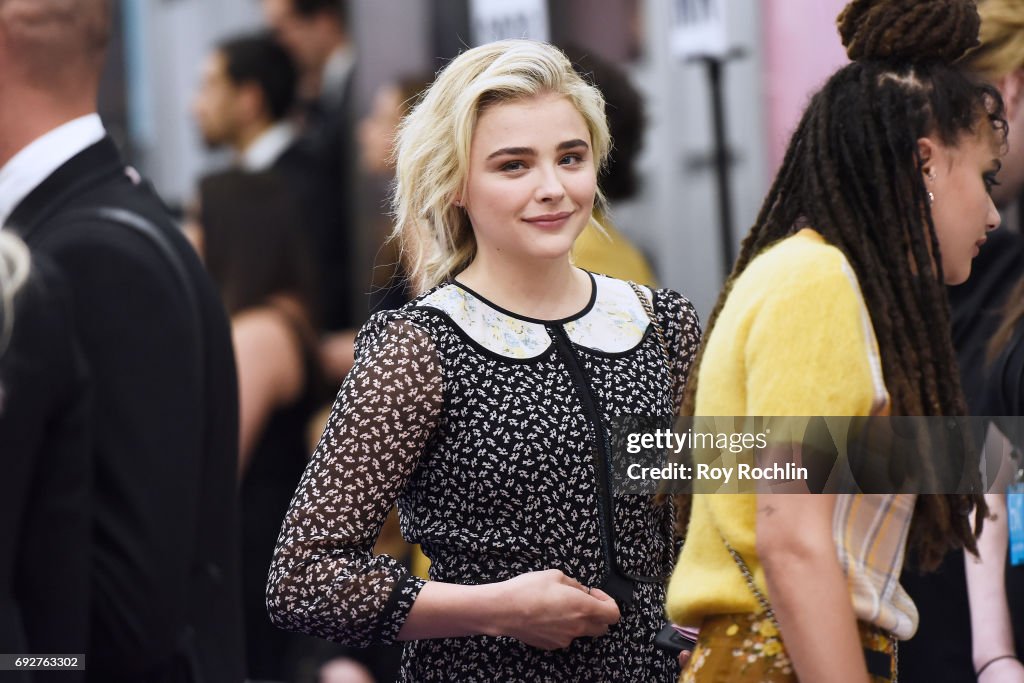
489, 430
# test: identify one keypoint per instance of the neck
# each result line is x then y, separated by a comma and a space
546, 289
248, 134
32, 115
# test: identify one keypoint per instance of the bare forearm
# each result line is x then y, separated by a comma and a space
448, 610
991, 631
812, 603
807, 587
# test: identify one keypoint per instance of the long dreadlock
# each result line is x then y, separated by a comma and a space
852, 172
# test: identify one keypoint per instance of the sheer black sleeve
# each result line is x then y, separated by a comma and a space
324, 579
682, 331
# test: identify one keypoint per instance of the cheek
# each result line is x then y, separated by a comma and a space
583, 188
494, 195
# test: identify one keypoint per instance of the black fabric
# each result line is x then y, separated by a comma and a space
322, 160
940, 652
977, 306
878, 663
45, 487
163, 557
314, 175
275, 466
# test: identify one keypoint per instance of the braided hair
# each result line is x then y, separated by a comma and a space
853, 173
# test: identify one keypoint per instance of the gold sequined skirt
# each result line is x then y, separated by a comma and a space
747, 648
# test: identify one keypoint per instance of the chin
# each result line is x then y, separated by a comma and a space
958, 278
554, 247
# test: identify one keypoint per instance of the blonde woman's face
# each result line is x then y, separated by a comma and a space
532, 178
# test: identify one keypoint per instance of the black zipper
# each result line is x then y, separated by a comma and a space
614, 583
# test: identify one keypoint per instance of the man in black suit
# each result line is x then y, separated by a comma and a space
44, 455
162, 555
246, 95
317, 35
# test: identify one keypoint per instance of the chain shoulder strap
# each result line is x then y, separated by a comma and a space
749, 576
658, 331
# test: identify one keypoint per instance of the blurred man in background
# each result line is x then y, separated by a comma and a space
316, 34
245, 96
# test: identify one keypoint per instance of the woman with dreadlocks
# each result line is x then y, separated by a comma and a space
837, 306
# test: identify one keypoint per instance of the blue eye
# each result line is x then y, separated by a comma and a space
571, 159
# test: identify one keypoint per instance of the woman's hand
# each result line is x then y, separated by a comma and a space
545, 609
549, 610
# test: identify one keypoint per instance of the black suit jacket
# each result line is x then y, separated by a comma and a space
164, 569
322, 164
45, 483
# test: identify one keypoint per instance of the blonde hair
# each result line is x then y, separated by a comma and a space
433, 142
1002, 39
14, 268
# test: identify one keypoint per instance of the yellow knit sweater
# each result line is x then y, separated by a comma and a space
794, 338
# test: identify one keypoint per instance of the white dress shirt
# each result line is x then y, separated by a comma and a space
265, 150
40, 158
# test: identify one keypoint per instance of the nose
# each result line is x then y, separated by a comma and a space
993, 219
549, 188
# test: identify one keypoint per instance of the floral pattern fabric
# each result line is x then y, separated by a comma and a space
748, 648
485, 428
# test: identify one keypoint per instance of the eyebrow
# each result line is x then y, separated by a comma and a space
530, 151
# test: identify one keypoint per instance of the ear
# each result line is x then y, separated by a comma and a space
250, 100
1011, 87
927, 151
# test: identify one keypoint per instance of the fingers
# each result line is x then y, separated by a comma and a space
571, 582
606, 611
684, 657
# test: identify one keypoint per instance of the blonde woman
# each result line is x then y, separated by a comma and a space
482, 407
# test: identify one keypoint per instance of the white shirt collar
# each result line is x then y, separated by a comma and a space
336, 72
265, 150
40, 158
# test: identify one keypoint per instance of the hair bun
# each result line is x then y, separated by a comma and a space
909, 29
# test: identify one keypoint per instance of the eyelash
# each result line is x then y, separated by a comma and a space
513, 166
990, 181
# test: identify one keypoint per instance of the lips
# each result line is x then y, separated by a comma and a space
977, 246
549, 220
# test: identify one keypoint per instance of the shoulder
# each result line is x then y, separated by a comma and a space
406, 327
804, 262
267, 329
670, 307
